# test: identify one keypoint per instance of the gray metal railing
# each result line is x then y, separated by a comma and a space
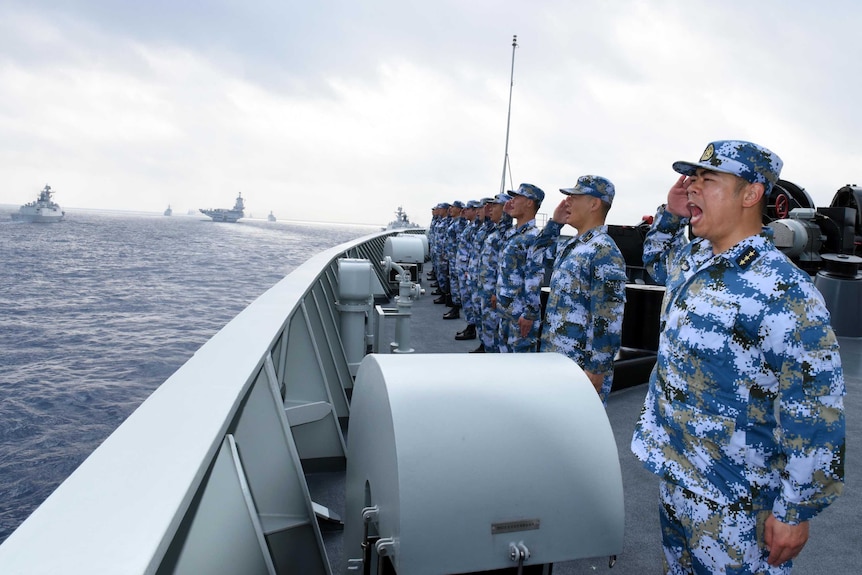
206, 476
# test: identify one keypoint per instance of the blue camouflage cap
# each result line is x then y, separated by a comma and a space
501, 199
474, 204
529, 191
595, 186
486, 201
749, 161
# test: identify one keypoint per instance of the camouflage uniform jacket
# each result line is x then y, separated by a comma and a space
431, 235
437, 246
453, 232
519, 279
465, 244
484, 228
584, 314
489, 258
745, 405
434, 231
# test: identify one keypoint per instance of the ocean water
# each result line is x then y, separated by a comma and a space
97, 311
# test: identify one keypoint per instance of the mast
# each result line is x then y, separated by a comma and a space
509, 116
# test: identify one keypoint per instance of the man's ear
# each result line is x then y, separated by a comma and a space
753, 194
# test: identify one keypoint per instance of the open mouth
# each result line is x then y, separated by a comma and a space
696, 213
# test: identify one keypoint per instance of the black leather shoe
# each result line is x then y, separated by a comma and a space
441, 299
453, 313
436, 292
468, 333
480, 349
435, 284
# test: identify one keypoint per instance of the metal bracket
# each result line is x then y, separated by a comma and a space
385, 547
371, 514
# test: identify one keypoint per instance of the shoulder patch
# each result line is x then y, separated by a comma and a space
745, 258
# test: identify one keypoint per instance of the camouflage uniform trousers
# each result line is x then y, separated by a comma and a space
476, 317
458, 282
488, 320
442, 271
700, 536
450, 251
470, 299
434, 253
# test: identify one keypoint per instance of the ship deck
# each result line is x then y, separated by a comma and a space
835, 544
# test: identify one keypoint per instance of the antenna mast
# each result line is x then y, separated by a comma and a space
509, 116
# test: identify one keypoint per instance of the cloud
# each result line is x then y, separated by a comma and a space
342, 111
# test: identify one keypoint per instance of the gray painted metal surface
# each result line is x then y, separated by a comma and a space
488, 456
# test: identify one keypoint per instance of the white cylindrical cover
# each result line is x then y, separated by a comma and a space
426, 249
465, 454
354, 280
405, 249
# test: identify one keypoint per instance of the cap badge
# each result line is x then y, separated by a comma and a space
708, 153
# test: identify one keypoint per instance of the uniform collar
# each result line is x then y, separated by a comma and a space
523, 227
743, 254
591, 233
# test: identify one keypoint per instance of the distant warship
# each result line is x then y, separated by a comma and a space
42, 210
401, 221
223, 215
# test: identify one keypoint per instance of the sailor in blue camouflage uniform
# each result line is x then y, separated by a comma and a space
466, 245
454, 230
437, 214
460, 290
474, 311
453, 214
489, 263
744, 416
519, 278
441, 266
584, 313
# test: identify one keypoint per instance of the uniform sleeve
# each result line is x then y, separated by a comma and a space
508, 280
545, 244
534, 272
451, 243
607, 305
804, 354
664, 239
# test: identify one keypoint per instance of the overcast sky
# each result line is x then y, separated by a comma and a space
340, 110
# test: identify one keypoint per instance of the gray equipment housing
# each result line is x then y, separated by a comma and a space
455, 462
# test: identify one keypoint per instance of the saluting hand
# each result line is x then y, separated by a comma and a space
677, 197
561, 213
